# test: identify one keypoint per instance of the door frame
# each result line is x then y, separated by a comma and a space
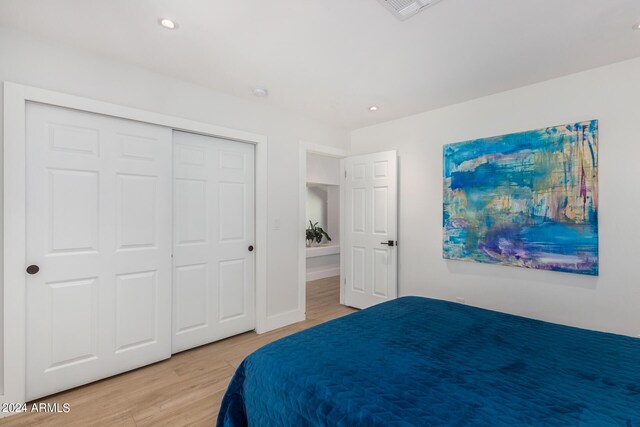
324, 150
16, 96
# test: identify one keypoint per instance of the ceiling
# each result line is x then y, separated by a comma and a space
332, 59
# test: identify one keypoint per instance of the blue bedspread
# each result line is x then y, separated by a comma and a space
418, 361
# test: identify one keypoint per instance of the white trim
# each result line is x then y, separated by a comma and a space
307, 147
285, 319
343, 229
14, 246
323, 274
262, 222
316, 251
324, 150
15, 98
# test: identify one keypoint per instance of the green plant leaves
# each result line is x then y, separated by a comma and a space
315, 233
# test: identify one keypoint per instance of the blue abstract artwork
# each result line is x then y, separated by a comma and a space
527, 199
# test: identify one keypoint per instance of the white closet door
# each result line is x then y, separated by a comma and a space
214, 261
99, 229
371, 214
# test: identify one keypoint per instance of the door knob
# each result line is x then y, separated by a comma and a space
388, 243
33, 269
250, 248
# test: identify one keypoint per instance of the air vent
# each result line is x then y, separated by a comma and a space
404, 9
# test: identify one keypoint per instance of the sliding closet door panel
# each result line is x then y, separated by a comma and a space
214, 294
99, 229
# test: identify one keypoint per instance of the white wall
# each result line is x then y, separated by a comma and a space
610, 302
323, 207
322, 266
34, 62
317, 205
323, 169
326, 170
333, 214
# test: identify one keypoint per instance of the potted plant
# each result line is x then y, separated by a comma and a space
316, 234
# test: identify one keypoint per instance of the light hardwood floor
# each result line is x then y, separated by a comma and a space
184, 390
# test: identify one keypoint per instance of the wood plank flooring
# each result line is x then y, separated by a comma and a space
184, 390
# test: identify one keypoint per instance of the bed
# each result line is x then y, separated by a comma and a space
419, 361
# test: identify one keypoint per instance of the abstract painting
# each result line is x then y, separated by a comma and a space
527, 199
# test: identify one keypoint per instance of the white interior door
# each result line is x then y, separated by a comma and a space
371, 211
214, 261
99, 229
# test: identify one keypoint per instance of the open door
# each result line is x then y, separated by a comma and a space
370, 249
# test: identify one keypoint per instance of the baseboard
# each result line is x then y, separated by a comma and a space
283, 319
323, 274
8, 414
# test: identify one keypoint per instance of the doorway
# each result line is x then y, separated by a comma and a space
368, 188
320, 217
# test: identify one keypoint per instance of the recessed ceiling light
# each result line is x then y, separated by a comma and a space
260, 92
168, 24
637, 26
373, 108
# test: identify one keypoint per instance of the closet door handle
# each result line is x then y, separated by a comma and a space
389, 243
33, 269
250, 248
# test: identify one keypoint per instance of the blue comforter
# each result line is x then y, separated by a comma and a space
418, 361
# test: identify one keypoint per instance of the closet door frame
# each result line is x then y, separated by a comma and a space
16, 97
